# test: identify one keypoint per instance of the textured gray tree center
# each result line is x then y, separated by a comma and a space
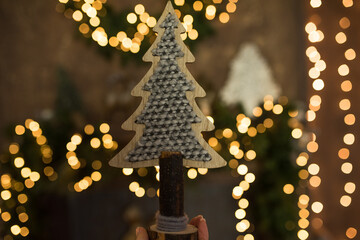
168, 115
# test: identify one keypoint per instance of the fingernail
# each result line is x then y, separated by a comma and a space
203, 219
137, 231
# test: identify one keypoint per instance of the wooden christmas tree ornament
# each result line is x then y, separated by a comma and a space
168, 125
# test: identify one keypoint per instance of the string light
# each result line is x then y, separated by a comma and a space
90, 14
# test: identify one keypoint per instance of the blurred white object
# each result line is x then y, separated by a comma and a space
250, 79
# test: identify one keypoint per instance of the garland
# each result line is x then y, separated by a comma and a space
131, 31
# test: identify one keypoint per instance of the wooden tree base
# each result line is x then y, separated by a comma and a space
190, 233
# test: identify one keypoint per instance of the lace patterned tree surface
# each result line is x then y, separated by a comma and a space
168, 118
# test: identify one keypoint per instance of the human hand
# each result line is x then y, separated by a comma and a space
198, 221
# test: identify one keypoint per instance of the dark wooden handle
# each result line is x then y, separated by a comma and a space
171, 200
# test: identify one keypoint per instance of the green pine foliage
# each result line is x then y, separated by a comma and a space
272, 214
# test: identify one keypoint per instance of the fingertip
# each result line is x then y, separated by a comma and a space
141, 234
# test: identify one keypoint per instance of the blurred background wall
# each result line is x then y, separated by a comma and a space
37, 41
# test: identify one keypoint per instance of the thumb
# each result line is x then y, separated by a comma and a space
141, 234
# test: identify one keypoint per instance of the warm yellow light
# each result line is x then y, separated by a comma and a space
346, 86
19, 130
304, 199
19, 162
22, 198
244, 185
345, 201
257, 111
350, 187
29, 183
340, 38
343, 70
15, 229
315, 181
135, 47
77, 16
193, 34
5, 216
213, 142
296, 133
96, 176
268, 105
315, 3
24, 231
310, 27
179, 2
151, 22
89, 129
268, 123
288, 188
34, 176
277, 109
313, 169
211, 10
14, 148
144, 17
234, 150
5, 195
238, 191
25, 172
131, 18
73, 161
84, 28
346, 168
127, 171
312, 146
134, 186
140, 192
344, 153
304, 213
95, 143
6, 181
243, 225
224, 17
301, 161
350, 54
231, 7
48, 171
71, 147
303, 234
228, 133
314, 73
192, 173
34, 126
242, 169
250, 155
198, 5
303, 223
317, 207
349, 119
351, 232
348, 3
202, 171
345, 104
95, 21
243, 203
252, 132
23, 217
349, 139
344, 23
91, 12
240, 213
139, 9
250, 177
